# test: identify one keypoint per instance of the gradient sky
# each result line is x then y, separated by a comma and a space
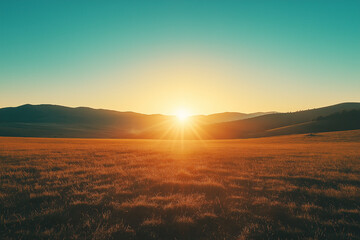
161, 56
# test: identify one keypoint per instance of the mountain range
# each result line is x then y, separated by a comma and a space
82, 122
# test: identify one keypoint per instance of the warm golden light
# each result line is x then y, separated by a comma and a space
182, 115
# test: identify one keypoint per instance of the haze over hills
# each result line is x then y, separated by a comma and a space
59, 121
227, 116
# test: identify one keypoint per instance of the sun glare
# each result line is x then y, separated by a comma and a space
182, 115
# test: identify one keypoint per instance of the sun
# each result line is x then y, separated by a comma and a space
182, 115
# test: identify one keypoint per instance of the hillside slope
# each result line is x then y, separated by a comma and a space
82, 122
227, 117
59, 121
260, 126
340, 121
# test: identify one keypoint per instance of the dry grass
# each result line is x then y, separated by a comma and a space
294, 187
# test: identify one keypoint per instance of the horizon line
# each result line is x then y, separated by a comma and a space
164, 114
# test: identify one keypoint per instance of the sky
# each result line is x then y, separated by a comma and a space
161, 56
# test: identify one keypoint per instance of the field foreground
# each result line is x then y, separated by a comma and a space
293, 187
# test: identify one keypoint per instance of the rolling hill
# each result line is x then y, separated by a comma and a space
339, 121
286, 123
59, 121
81, 122
227, 117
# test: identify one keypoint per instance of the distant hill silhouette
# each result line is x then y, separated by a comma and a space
227, 116
58, 121
339, 121
269, 125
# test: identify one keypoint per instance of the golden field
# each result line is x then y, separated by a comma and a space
292, 187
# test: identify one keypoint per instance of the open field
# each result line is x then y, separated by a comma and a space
293, 187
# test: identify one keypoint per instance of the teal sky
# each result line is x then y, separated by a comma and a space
161, 56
